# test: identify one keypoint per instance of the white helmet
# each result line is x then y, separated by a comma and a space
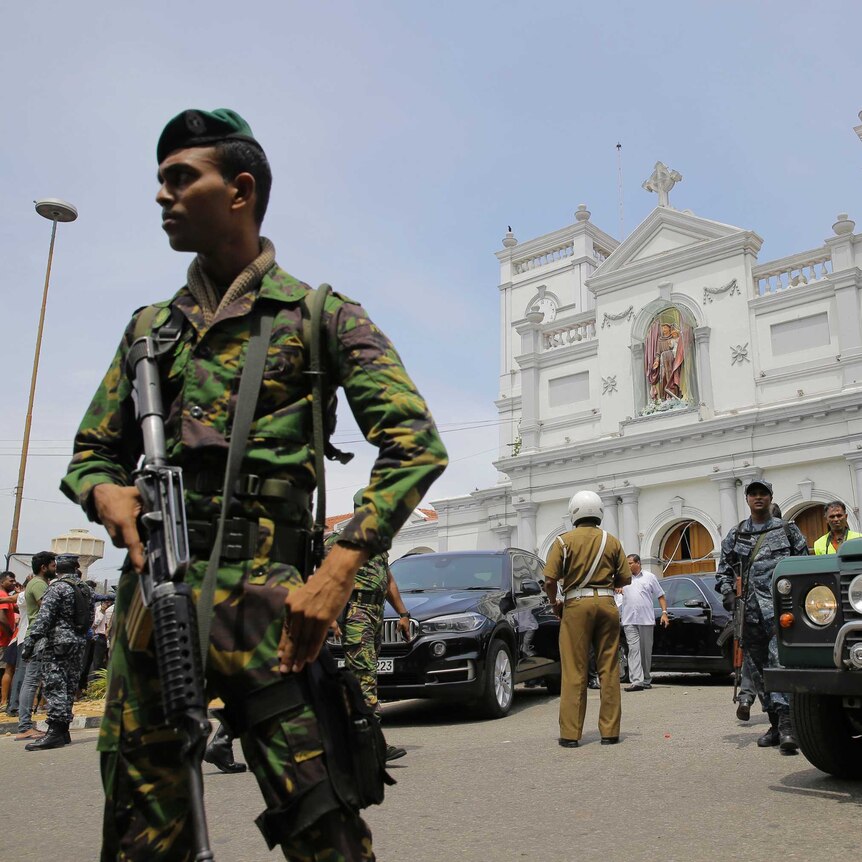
586, 504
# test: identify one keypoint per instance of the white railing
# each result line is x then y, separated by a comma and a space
560, 252
600, 254
571, 334
793, 271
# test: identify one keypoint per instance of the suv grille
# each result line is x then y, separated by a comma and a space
391, 635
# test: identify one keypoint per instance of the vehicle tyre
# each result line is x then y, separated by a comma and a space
624, 664
554, 684
499, 685
825, 735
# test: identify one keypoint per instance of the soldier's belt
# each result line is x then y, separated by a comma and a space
290, 544
248, 487
367, 597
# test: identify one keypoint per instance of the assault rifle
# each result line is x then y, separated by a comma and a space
174, 621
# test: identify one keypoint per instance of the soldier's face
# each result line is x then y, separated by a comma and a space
837, 519
196, 201
759, 499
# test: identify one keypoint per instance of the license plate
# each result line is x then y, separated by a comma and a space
384, 665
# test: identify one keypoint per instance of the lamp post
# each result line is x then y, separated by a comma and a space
55, 211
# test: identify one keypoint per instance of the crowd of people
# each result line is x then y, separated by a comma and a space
55, 634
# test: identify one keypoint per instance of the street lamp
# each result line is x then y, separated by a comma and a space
55, 211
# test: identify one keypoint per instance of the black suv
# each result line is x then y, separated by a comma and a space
818, 611
480, 624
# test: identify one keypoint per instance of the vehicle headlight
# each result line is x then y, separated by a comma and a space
783, 586
452, 623
821, 606
854, 594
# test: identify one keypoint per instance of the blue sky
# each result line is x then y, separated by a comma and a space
404, 137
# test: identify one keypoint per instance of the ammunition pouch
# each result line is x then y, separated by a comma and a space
368, 597
290, 544
353, 744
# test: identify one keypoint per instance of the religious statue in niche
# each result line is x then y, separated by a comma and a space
669, 363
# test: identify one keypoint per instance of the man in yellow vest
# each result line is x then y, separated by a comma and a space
836, 516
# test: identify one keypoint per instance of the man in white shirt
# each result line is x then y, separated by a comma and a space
637, 618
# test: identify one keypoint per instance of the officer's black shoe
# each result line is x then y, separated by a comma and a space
593, 682
610, 740
54, 738
220, 753
770, 738
393, 752
786, 741
634, 687
568, 743
743, 710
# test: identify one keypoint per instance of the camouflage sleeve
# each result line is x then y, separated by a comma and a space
107, 445
725, 576
48, 613
797, 541
393, 417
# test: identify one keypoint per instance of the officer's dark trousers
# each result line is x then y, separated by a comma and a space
589, 621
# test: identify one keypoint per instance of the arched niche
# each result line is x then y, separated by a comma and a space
668, 520
665, 364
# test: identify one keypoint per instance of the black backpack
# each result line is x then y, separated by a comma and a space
83, 606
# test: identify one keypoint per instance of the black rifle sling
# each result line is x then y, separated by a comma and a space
249, 389
313, 337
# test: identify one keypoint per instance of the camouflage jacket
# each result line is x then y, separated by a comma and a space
783, 539
200, 378
373, 576
55, 621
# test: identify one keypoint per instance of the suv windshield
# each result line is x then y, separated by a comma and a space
449, 572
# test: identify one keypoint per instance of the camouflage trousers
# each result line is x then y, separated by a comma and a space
361, 637
146, 789
760, 644
61, 671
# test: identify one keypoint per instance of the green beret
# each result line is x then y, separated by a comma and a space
194, 128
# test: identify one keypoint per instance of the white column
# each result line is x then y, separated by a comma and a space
526, 525
631, 541
727, 501
704, 369
854, 459
611, 521
528, 360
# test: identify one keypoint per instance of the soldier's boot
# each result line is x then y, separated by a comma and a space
786, 740
54, 738
220, 752
771, 737
393, 752
743, 709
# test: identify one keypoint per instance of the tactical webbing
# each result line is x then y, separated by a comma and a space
249, 389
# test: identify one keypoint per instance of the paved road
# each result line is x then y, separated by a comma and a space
686, 783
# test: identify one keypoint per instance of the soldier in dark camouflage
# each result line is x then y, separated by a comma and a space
59, 641
214, 185
362, 629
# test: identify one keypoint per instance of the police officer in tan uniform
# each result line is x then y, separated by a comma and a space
589, 564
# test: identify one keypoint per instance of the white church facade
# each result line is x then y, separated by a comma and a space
664, 372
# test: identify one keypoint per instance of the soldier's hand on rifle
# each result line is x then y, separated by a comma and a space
118, 508
728, 599
312, 608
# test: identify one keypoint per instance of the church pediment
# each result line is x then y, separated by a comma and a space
663, 232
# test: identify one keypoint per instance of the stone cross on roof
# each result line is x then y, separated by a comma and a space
663, 179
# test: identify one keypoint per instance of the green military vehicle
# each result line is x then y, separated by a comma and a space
818, 616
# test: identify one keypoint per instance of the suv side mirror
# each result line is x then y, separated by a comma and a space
529, 587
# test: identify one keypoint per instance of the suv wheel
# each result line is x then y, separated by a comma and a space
825, 735
499, 688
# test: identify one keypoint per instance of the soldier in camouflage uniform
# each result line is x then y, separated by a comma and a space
757, 544
214, 185
362, 626
56, 639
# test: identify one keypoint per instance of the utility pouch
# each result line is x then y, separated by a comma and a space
352, 738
